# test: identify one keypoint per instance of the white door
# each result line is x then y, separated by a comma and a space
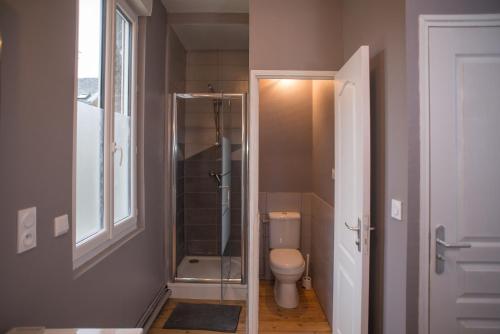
352, 196
464, 132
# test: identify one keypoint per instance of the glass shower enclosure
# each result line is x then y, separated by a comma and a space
209, 165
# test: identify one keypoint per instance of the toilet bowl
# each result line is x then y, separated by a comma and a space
287, 265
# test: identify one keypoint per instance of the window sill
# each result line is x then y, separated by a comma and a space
84, 263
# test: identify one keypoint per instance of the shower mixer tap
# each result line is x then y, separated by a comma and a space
217, 177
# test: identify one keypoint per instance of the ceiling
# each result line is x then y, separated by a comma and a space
210, 24
206, 6
213, 36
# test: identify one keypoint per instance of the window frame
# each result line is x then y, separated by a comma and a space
94, 246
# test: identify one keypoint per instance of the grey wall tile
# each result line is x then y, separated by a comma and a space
202, 232
200, 200
197, 216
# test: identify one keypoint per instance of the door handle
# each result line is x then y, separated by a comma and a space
442, 245
350, 228
456, 245
116, 148
358, 233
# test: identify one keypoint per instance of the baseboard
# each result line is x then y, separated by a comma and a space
208, 291
154, 309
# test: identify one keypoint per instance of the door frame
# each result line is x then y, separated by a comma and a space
253, 181
426, 22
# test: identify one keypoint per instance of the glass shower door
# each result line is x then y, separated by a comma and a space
224, 194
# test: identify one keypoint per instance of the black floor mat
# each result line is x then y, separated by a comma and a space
211, 317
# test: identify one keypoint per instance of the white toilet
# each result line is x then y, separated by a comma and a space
287, 263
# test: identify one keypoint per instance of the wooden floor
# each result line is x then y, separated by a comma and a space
307, 318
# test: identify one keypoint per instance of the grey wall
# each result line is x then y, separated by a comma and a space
323, 154
175, 80
380, 25
285, 136
36, 122
322, 213
413, 9
295, 34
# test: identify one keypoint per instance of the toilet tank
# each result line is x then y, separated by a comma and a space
284, 230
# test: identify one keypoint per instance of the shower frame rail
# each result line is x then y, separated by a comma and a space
244, 184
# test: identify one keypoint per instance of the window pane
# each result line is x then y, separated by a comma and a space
90, 121
123, 119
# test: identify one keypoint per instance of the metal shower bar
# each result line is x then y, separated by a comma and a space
224, 96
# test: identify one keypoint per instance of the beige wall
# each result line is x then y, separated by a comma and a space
295, 34
285, 135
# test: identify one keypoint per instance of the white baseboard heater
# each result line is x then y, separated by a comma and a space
154, 309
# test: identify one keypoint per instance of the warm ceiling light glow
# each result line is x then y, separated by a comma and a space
286, 82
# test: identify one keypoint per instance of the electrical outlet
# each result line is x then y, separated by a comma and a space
26, 229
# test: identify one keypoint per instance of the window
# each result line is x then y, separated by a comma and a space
105, 176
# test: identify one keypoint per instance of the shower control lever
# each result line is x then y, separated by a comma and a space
217, 177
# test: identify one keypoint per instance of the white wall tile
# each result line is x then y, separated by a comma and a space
202, 72
322, 227
306, 203
305, 235
234, 72
202, 58
234, 58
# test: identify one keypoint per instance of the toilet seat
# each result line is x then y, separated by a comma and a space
286, 261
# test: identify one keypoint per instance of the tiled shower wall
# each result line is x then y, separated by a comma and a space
226, 71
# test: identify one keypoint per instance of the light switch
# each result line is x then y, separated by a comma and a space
396, 209
61, 225
26, 229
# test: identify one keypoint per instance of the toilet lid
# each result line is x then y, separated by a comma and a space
286, 258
